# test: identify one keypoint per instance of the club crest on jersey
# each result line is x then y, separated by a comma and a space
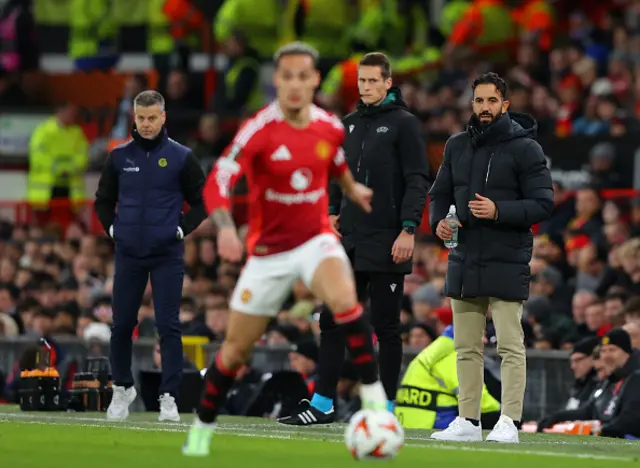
162, 162
245, 296
323, 149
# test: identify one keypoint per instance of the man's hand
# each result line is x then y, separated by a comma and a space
361, 196
402, 249
483, 208
444, 231
229, 245
335, 225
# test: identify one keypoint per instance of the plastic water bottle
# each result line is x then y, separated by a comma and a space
452, 220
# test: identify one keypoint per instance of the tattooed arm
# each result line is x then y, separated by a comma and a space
222, 218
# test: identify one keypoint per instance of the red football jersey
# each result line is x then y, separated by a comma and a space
287, 171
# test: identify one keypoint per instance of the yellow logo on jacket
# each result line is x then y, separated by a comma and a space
162, 162
323, 149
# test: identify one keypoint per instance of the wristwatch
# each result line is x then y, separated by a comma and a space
409, 229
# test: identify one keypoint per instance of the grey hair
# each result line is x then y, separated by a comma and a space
149, 98
296, 48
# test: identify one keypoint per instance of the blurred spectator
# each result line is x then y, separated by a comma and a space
134, 85
209, 143
179, 95
421, 336
11, 95
583, 368
304, 359
425, 300
238, 93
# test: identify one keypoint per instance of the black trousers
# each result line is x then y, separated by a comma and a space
384, 291
129, 282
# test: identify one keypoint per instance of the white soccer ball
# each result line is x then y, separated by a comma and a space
374, 434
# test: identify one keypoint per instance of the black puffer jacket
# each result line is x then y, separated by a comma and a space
385, 149
504, 163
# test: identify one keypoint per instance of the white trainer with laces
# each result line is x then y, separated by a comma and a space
504, 431
168, 409
122, 398
460, 430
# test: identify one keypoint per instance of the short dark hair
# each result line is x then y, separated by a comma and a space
494, 79
377, 59
296, 48
618, 295
149, 98
632, 306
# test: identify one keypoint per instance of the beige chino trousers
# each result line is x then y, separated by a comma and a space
469, 321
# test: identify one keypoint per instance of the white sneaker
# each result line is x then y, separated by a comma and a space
504, 431
460, 430
168, 409
122, 398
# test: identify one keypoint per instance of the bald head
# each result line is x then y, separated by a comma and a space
633, 329
581, 300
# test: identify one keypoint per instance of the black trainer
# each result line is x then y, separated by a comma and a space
307, 415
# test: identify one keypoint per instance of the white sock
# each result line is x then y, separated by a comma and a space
373, 396
198, 423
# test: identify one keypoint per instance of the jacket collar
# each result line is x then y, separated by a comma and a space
149, 144
487, 134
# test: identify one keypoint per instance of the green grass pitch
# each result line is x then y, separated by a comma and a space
80, 440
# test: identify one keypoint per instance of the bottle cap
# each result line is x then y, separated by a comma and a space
452, 209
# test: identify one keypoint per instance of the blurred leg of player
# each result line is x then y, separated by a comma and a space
261, 290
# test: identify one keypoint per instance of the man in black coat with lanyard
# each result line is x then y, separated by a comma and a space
496, 175
386, 151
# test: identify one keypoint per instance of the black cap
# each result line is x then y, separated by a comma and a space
289, 332
620, 338
307, 348
586, 345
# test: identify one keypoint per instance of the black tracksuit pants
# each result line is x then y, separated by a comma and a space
385, 292
130, 280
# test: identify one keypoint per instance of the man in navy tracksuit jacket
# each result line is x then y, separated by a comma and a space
149, 179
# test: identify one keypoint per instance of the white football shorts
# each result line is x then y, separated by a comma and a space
266, 281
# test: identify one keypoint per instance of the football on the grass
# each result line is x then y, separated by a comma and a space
374, 434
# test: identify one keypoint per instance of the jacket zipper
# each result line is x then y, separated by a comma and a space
144, 204
486, 179
360, 157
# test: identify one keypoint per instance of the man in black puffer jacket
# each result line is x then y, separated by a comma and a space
496, 175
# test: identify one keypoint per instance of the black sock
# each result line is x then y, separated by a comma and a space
359, 343
475, 422
331, 355
217, 383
